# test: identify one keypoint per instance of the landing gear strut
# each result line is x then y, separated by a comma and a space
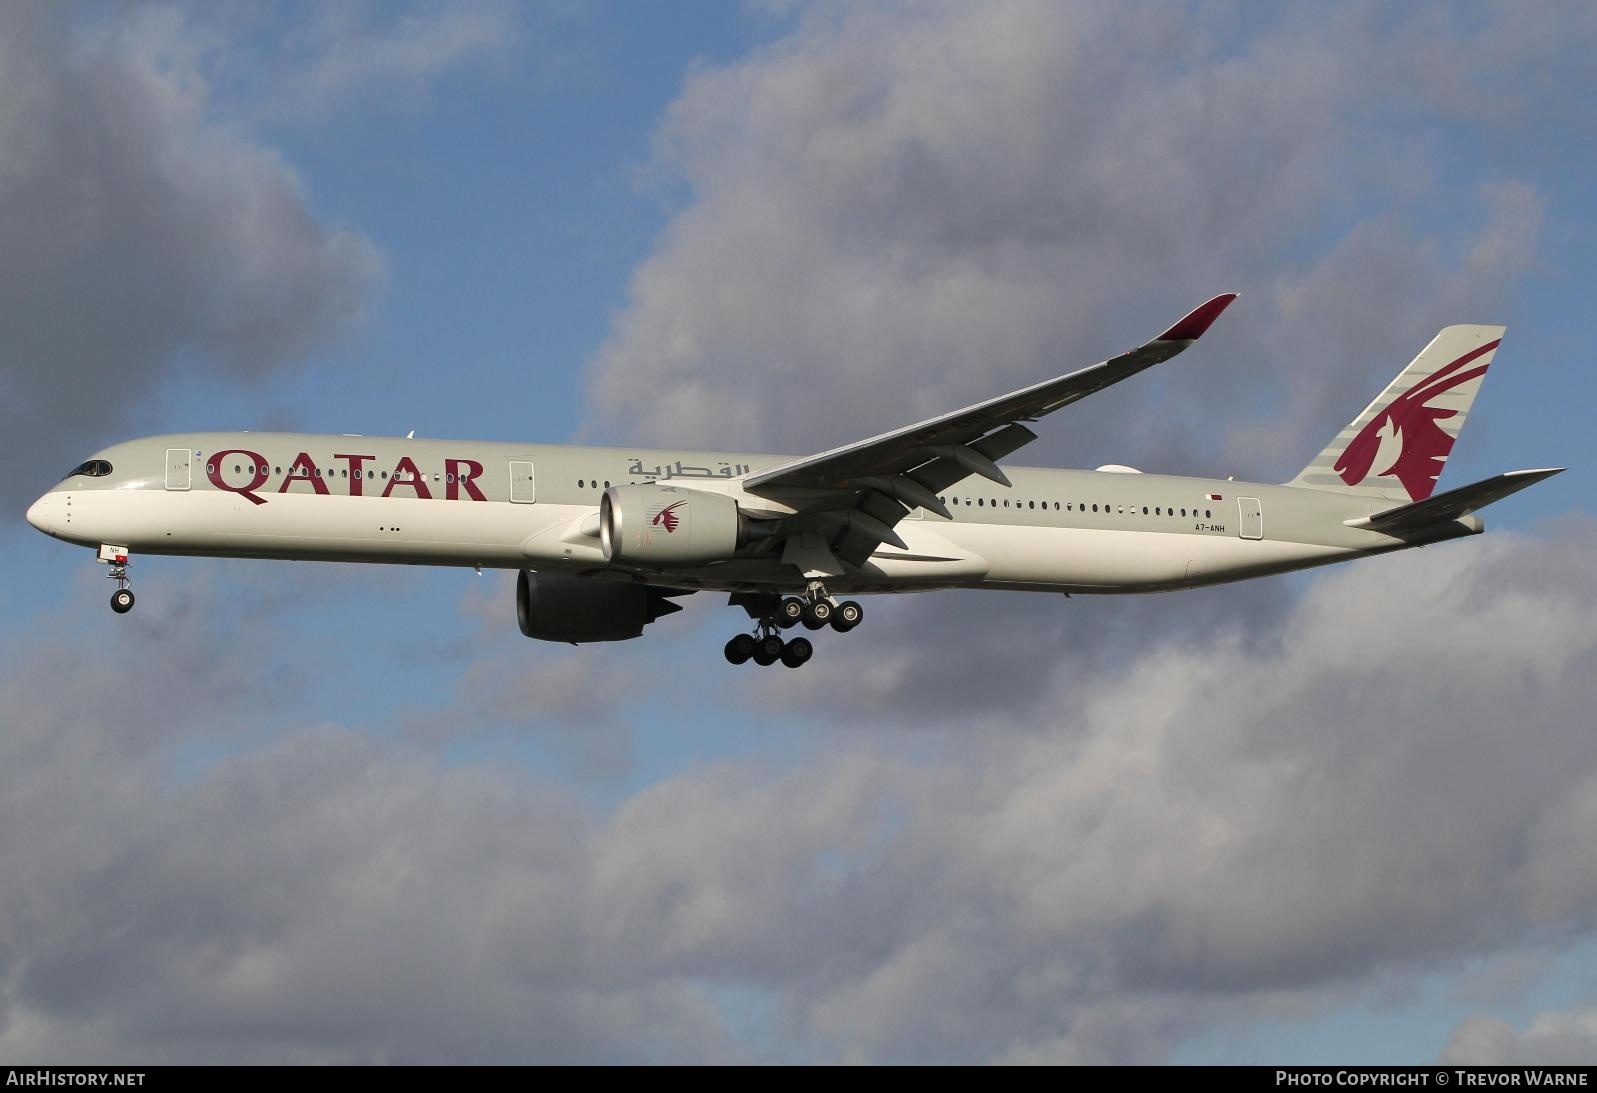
815, 609
117, 559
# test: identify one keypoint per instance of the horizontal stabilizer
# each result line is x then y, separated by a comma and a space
1454, 503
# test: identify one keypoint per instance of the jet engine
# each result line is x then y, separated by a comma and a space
554, 607
652, 525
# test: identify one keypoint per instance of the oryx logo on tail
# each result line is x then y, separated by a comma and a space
1396, 448
1404, 440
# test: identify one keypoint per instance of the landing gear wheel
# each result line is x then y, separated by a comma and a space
768, 649
789, 612
797, 652
740, 649
847, 616
817, 613
122, 601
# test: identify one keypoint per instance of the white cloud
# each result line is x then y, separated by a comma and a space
350, 52
139, 233
1191, 837
1551, 1039
896, 211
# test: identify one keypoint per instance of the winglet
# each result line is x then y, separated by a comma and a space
1199, 319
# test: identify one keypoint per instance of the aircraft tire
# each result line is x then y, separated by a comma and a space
789, 612
739, 649
797, 652
848, 615
769, 650
817, 614
122, 601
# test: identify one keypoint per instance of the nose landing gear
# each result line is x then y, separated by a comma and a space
117, 558
814, 609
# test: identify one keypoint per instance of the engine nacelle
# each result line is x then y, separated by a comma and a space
554, 607
652, 525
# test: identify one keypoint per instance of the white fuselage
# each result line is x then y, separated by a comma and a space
425, 502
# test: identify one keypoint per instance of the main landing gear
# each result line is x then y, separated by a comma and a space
117, 558
815, 610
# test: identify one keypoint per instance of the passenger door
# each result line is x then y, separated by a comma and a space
177, 468
523, 486
1251, 517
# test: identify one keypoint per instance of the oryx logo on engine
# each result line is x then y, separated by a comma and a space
667, 517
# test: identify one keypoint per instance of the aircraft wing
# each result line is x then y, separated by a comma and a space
854, 495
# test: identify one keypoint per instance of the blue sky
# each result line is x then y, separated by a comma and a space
337, 813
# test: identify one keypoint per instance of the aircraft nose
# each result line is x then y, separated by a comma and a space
39, 513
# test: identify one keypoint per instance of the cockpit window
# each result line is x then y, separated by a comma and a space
94, 468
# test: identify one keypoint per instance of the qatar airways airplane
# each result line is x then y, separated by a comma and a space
605, 538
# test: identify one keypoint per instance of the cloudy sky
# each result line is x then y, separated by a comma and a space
323, 813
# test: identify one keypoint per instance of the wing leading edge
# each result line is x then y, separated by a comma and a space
851, 497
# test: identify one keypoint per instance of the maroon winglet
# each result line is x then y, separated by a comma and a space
1198, 320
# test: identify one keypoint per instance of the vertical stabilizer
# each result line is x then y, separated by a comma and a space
1396, 449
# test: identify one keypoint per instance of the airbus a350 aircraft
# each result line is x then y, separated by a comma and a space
605, 538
